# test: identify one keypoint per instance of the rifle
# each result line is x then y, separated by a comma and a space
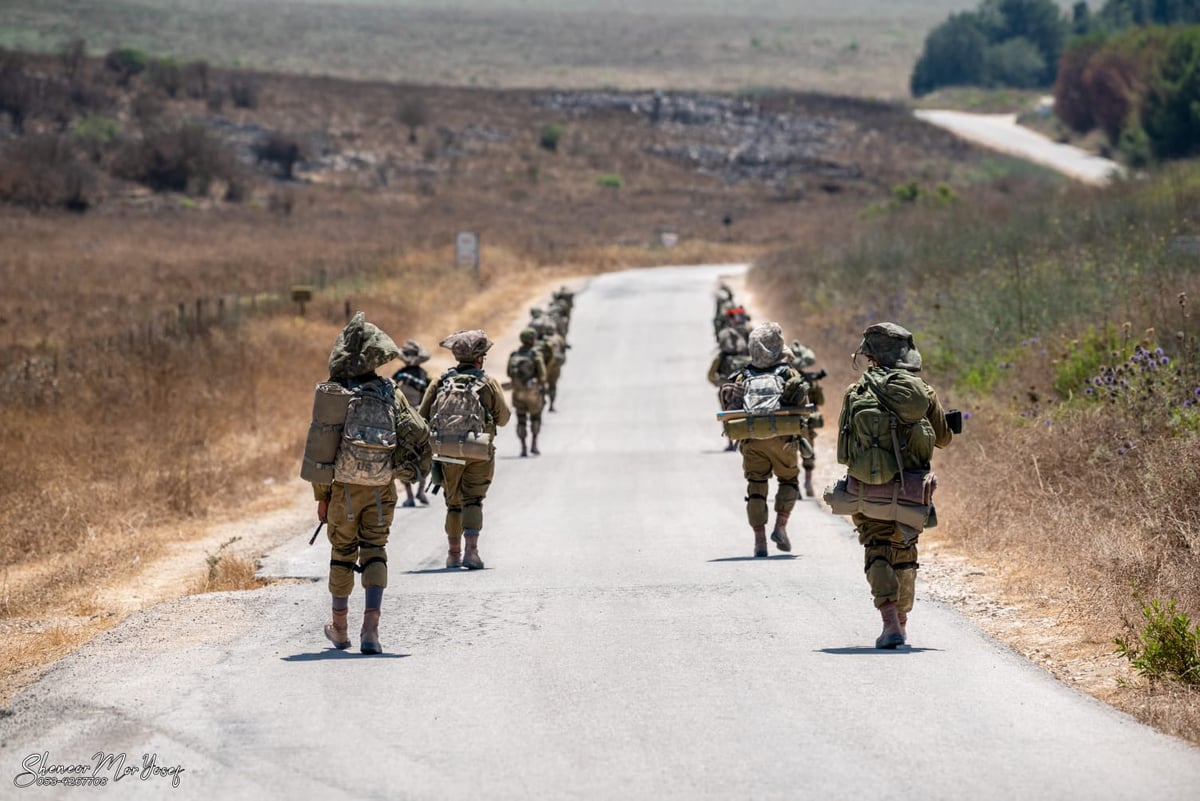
316, 531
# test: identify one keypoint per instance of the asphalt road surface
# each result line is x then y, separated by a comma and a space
621, 644
1001, 132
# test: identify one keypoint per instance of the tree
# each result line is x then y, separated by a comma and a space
1038, 21
1171, 116
413, 113
1014, 62
953, 55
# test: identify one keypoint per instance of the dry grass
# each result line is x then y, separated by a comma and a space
862, 47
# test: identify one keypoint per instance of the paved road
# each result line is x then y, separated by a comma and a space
1002, 133
621, 644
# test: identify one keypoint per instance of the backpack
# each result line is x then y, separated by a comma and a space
412, 384
369, 436
882, 430
458, 418
762, 391
521, 366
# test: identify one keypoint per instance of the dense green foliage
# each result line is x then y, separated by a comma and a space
1141, 87
1013, 43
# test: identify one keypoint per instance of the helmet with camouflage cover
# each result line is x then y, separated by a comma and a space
528, 335
361, 348
890, 345
467, 346
766, 346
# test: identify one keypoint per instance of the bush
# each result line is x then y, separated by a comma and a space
281, 150
610, 180
413, 113
96, 135
187, 158
1014, 62
43, 172
552, 134
125, 63
195, 79
1167, 647
1172, 107
952, 56
244, 92
166, 76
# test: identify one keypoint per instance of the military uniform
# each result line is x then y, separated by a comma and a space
802, 357
466, 485
762, 458
528, 392
412, 380
890, 549
359, 517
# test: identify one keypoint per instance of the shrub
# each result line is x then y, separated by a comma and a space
1172, 108
195, 79
166, 75
187, 158
413, 113
96, 135
125, 62
952, 55
552, 134
1014, 62
1167, 647
73, 54
18, 90
281, 150
43, 172
244, 92
610, 180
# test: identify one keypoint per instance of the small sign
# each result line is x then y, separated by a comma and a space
466, 250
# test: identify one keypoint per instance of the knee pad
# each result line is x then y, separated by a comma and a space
374, 568
786, 497
472, 515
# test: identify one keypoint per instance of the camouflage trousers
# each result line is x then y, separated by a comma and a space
466, 485
890, 563
762, 458
359, 520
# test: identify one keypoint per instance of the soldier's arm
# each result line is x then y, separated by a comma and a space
541, 368
714, 371
499, 408
427, 401
937, 418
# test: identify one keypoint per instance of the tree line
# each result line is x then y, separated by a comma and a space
1130, 69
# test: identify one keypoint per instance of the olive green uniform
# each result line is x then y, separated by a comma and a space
466, 485
891, 559
525, 402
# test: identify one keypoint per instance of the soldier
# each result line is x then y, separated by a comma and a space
359, 504
804, 357
733, 355
527, 371
769, 370
554, 353
467, 484
412, 380
891, 546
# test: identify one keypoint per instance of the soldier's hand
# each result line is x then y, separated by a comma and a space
322, 511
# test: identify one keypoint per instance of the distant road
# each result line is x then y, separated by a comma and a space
1002, 133
623, 643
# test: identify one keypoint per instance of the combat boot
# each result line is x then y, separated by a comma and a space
369, 639
454, 551
471, 560
892, 634
533, 446
808, 485
760, 541
337, 629
779, 534
902, 617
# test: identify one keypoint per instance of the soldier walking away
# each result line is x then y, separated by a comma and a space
382, 437
890, 422
466, 482
733, 355
553, 348
770, 383
802, 358
412, 380
527, 371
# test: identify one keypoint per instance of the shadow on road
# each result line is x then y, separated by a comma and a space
333, 653
441, 570
867, 650
773, 558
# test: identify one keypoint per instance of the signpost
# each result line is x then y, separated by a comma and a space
466, 250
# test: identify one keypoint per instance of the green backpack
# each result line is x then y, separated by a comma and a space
882, 429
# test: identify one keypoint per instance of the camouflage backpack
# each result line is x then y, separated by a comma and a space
522, 366
882, 429
369, 436
457, 410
